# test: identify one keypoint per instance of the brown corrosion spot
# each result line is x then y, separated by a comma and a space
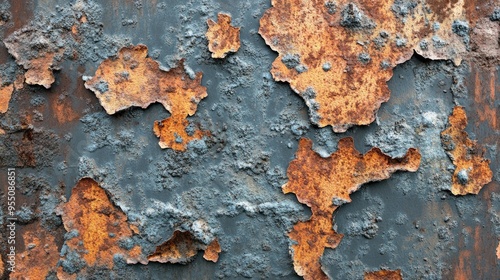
5, 95
39, 256
384, 275
212, 252
182, 247
325, 183
339, 57
472, 171
99, 223
133, 79
222, 37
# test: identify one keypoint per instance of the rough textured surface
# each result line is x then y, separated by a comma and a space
223, 38
323, 184
228, 186
133, 79
472, 171
182, 247
339, 61
95, 228
5, 94
384, 275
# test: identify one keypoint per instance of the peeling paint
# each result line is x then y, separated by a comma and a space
323, 184
182, 247
472, 171
133, 79
95, 229
223, 38
363, 43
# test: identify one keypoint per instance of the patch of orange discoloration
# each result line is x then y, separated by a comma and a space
318, 181
99, 223
63, 111
133, 79
212, 251
472, 171
498, 251
222, 37
39, 256
384, 275
5, 95
339, 57
181, 248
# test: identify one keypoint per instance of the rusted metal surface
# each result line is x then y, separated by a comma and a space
221, 189
40, 255
5, 94
182, 247
472, 171
133, 79
323, 184
223, 38
384, 275
95, 228
338, 55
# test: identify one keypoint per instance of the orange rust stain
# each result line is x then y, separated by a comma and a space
222, 37
181, 248
63, 111
472, 171
100, 224
340, 60
212, 252
384, 275
39, 256
486, 102
5, 95
463, 270
133, 79
318, 181
498, 251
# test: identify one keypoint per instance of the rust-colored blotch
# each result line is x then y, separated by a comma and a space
133, 79
212, 252
472, 171
222, 37
318, 182
99, 223
339, 55
5, 95
182, 247
40, 254
384, 275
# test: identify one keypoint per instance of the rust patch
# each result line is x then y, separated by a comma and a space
39, 256
384, 275
133, 79
99, 224
39, 66
472, 171
324, 184
338, 57
212, 252
223, 38
5, 95
182, 247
